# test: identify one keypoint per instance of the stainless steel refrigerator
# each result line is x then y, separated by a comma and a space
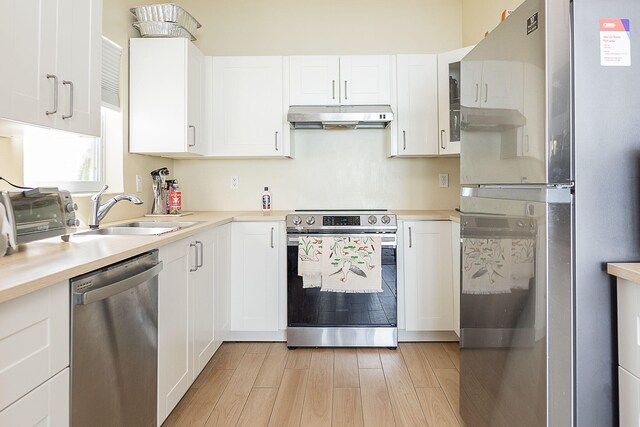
550, 175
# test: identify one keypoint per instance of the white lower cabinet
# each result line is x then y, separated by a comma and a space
174, 349
47, 405
455, 257
255, 276
629, 395
222, 280
426, 257
201, 292
34, 341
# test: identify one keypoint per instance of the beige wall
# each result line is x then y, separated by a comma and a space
480, 16
10, 162
343, 169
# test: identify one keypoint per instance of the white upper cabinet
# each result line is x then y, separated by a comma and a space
247, 107
449, 90
166, 98
494, 84
417, 112
340, 80
314, 80
54, 48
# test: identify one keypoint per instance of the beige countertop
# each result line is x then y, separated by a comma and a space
43, 263
628, 271
443, 215
46, 262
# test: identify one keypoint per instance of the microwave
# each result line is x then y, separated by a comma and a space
29, 215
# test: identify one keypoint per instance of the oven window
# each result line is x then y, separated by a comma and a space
37, 214
312, 307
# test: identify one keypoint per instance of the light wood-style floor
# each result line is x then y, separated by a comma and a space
266, 384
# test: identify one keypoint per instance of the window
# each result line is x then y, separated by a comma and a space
78, 163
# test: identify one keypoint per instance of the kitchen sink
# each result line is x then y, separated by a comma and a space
128, 231
157, 224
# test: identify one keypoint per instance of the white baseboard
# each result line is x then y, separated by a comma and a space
280, 335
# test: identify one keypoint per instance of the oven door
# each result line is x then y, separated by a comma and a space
311, 307
515, 305
37, 217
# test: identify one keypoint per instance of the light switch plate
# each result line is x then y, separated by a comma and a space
443, 180
138, 184
235, 182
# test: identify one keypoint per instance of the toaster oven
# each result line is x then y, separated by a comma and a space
35, 214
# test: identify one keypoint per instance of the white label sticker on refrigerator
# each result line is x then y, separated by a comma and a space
615, 43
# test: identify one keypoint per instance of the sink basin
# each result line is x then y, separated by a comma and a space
157, 224
128, 231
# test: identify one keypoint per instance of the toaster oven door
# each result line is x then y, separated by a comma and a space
38, 217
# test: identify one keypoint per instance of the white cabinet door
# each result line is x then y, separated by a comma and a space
247, 107
79, 62
502, 85
28, 30
417, 111
314, 80
222, 282
34, 340
47, 405
174, 346
365, 80
254, 276
455, 256
428, 276
449, 91
629, 397
165, 97
201, 292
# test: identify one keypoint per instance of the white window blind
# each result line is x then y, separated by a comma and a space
111, 57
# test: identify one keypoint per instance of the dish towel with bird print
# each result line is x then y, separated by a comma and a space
496, 266
351, 265
309, 261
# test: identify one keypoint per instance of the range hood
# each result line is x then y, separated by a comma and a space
491, 119
340, 117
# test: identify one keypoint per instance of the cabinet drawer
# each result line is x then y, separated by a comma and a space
629, 388
46, 405
629, 326
34, 341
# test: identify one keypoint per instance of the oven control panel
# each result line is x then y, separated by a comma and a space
341, 221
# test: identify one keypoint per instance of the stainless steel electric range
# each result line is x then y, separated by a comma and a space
321, 318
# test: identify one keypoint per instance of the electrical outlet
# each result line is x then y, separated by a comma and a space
235, 182
443, 180
138, 184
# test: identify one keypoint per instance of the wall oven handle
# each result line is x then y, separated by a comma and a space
117, 287
410, 240
388, 240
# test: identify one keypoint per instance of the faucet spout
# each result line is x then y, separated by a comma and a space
99, 211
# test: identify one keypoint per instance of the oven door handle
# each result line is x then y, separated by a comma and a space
387, 240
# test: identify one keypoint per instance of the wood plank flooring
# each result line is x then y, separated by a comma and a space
266, 384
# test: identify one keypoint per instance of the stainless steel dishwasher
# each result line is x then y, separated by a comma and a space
115, 344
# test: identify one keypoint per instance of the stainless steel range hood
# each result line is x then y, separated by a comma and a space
340, 117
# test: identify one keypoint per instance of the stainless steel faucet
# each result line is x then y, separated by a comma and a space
100, 210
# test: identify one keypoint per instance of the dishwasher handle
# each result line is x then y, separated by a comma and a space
117, 287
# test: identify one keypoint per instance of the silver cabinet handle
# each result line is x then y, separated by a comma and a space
55, 94
70, 83
486, 92
272, 228
477, 89
194, 136
276, 140
410, 240
345, 89
333, 89
404, 140
193, 245
201, 262
442, 133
